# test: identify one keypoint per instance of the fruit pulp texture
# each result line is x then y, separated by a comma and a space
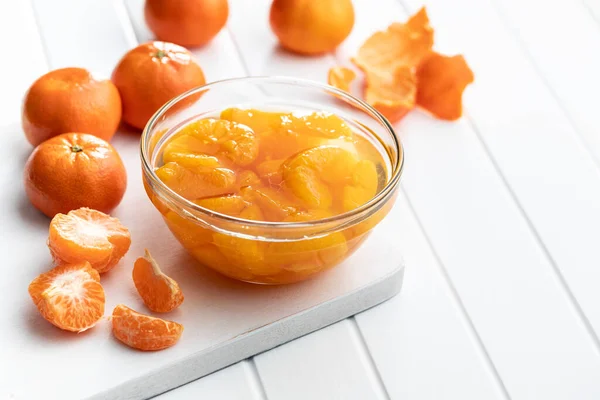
271, 166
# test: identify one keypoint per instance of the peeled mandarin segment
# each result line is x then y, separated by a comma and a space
248, 178
156, 200
235, 141
304, 183
253, 213
159, 292
258, 121
285, 144
191, 160
309, 215
194, 183
331, 163
335, 250
319, 123
341, 78
392, 94
189, 233
270, 171
144, 332
275, 205
69, 296
241, 253
359, 230
321, 252
88, 235
442, 80
245, 253
230, 205
329, 249
210, 256
363, 187
400, 45
184, 143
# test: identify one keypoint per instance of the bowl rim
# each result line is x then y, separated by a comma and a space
372, 205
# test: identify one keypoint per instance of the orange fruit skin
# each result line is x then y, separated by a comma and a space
70, 100
74, 170
69, 296
144, 332
188, 23
442, 81
311, 26
88, 235
341, 78
159, 292
150, 75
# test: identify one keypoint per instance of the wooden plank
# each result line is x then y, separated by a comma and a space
563, 176
86, 34
322, 365
503, 277
234, 382
568, 58
27, 55
219, 59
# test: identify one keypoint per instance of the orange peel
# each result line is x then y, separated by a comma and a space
400, 45
341, 78
442, 81
390, 59
393, 95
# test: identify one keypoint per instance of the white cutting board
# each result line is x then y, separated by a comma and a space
225, 321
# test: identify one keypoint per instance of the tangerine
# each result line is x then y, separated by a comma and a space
74, 170
70, 100
311, 26
150, 75
188, 23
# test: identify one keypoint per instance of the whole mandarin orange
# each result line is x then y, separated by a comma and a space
311, 26
186, 22
150, 75
70, 100
74, 170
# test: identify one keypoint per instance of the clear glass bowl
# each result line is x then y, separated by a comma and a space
260, 251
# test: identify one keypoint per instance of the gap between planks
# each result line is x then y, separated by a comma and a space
253, 376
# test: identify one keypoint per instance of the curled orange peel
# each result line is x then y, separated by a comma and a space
442, 81
389, 60
393, 95
341, 78
399, 45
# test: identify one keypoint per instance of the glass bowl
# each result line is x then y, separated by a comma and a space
261, 251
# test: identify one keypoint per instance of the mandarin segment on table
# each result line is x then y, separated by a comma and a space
276, 167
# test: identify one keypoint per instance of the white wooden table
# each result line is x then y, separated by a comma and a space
501, 210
